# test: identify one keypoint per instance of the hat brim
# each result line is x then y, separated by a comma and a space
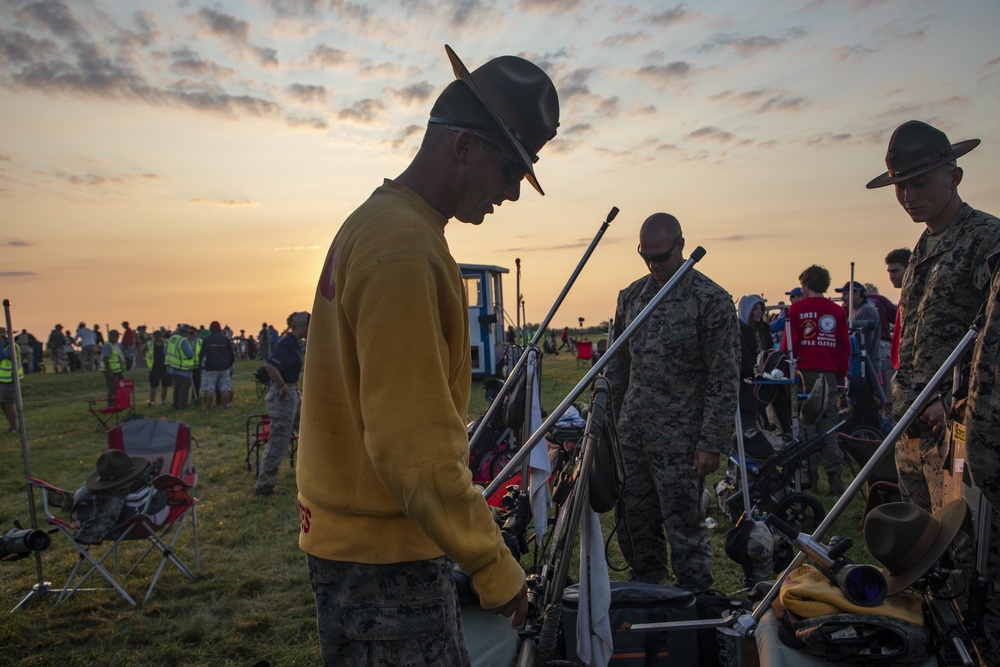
462, 73
95, 483
957, 151
951, 517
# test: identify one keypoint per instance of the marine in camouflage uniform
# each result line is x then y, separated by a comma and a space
675, 387
982, 440
944, 286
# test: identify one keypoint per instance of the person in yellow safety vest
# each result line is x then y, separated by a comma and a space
113, 363
9, 358
180, 364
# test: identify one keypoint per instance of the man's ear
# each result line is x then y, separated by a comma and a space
462, 146
956, 176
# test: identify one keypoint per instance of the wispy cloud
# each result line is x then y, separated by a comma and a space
16, 274
754, 45
233, 203
762, 101
855, 52
363, 111
18, 243
671, 16
303, 92
711, 133
313, 122
297, 247
666, 73
417, 92
327, 56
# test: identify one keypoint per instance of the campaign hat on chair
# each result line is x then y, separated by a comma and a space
114, 468
915, 148
522, 100
908, 539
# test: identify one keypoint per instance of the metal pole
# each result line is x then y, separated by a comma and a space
741, 450
42, 586
595, 370
912, 414
541, 327
517, 304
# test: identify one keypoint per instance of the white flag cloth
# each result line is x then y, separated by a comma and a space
594, 644
538, 460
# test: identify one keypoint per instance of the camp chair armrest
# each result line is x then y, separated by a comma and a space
178, 492
41, 484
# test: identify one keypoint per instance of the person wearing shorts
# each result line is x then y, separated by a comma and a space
217, 359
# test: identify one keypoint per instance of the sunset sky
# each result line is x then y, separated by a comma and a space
191, 161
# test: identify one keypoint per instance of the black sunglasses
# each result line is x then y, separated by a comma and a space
660, 258
513, 170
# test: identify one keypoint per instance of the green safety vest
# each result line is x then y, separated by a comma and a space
197, 351
7, 366
173, 353
187, 363
115, 361
149, 353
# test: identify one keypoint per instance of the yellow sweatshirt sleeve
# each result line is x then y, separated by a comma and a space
411, 327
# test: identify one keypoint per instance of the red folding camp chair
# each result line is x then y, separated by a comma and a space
584, 352
258, 433
120, 411
166, 444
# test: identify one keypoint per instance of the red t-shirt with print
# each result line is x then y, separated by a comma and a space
820, 339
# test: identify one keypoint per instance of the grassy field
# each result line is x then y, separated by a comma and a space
251, 600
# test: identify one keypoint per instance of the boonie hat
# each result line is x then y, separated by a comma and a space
522, 100
915, 148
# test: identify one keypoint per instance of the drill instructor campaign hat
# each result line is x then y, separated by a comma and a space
114, 468
915, 148
908, 539
522, 100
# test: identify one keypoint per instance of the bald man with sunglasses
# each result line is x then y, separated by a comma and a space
675, 387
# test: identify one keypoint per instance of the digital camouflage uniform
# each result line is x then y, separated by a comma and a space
943, 289
282, 412
982, 438
675, 387
982, 433
404, 619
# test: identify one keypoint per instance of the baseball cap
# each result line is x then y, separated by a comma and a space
795, 291
847, 287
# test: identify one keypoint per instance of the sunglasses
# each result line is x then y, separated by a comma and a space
661, 257
513, 170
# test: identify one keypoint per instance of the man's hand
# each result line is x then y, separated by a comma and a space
934, 415
516, 609
705, 462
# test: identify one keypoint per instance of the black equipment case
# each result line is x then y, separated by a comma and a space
633, 603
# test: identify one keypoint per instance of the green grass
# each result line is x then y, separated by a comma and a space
252, 598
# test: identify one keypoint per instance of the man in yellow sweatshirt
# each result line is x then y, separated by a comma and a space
386, 500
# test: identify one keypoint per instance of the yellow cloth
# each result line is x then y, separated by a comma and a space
807, 593
383, 458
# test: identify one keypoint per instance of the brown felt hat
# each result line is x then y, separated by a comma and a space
915, 148
522, 100
908, 539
